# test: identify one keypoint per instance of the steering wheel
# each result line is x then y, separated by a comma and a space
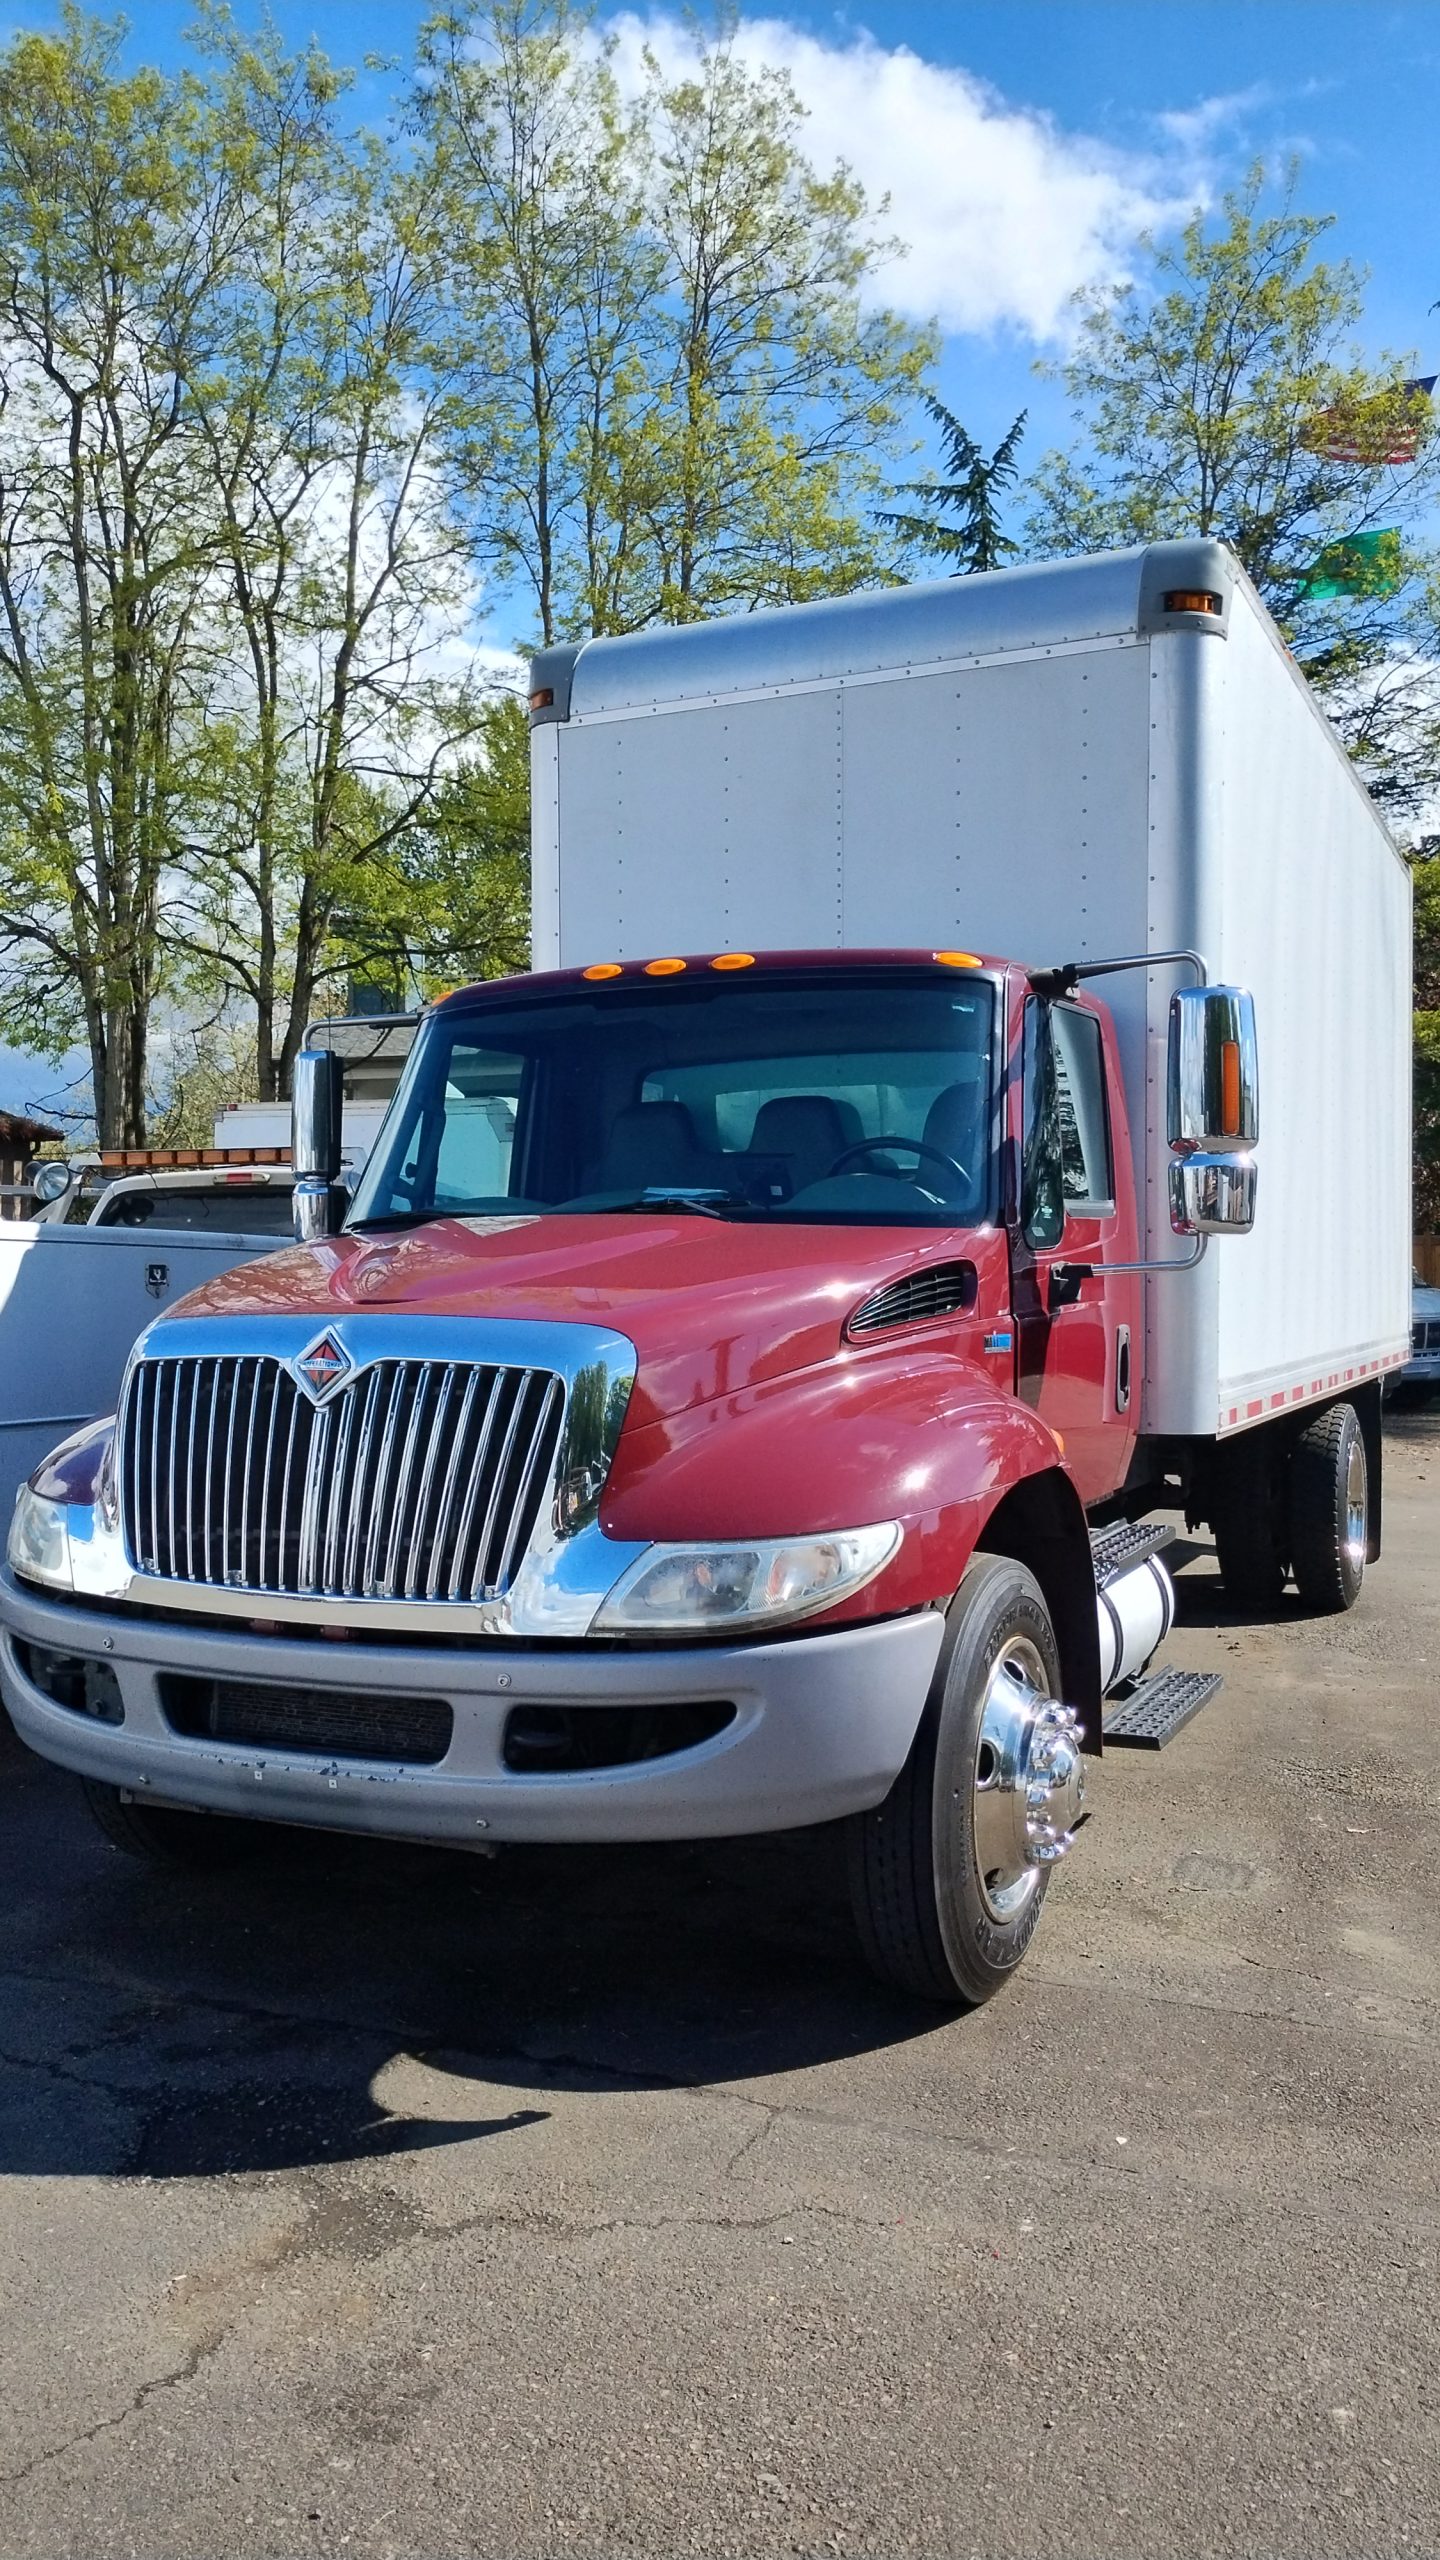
916, 1146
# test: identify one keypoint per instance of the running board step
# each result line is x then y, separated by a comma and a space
1121, 1547
1157, 1708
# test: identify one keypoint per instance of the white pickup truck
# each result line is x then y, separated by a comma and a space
74, 1298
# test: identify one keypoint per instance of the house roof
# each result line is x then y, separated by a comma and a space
19, 1136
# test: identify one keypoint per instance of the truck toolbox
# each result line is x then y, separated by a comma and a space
738, 1390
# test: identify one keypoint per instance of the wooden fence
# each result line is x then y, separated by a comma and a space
1427, 1260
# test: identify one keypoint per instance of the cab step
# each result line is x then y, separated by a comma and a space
1122, 1546
1156, 1708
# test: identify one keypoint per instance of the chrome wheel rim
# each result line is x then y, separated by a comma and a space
1018, 1687
1356, 1502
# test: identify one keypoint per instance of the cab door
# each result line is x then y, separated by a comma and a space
1076, 1320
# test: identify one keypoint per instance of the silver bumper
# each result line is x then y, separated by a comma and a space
822, 1726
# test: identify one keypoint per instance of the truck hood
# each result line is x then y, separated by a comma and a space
710, 1307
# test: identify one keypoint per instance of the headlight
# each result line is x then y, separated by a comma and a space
39, 1542
764, 1582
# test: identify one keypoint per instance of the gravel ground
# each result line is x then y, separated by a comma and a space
380, 2202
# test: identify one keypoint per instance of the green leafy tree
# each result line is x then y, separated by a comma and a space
112, 253
451, 900
325, 403
960, 516
682, 398
530, 149
779, 390
1223, 395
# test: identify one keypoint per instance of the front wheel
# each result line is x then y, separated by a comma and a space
164, 1836
948, 1874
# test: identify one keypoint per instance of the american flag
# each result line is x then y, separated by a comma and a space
1390, 429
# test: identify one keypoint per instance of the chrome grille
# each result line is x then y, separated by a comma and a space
417, 1480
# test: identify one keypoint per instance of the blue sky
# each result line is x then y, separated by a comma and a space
1150, 101
1025, 144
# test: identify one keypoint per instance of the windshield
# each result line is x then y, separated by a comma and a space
851, 1098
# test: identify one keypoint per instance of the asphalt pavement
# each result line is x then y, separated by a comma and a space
389, 2203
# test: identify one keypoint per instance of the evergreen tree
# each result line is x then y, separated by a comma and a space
961, 518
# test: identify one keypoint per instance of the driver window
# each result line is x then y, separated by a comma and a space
1042, 1195
1084, 1128
1066, 1162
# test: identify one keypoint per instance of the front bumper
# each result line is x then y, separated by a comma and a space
823, 1725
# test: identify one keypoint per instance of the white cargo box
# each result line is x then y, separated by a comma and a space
1053, 763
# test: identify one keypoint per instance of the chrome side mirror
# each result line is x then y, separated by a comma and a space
316, 1111
1212, 1195
1213, 1111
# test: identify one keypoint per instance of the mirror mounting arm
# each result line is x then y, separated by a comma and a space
1064, 980
1180, 1262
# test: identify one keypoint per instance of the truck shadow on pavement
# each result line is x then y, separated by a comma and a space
174, 2024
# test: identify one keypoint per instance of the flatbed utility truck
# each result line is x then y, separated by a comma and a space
740, 1389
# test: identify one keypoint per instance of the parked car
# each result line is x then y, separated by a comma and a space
1422, 1369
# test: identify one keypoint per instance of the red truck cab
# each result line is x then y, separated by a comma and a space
691, 1430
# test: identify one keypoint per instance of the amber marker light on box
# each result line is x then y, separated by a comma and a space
734, 960
957, 959
602, 969
663, 968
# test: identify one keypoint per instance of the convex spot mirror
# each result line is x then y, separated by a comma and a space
1213, 1111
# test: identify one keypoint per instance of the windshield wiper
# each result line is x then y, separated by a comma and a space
392, 1218
701, 1203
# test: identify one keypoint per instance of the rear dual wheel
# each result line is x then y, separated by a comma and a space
949, 1873
1329, 1509
1294, 1504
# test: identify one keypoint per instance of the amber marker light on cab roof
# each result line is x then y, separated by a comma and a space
734, 960
663, 968
957, 959
602, 969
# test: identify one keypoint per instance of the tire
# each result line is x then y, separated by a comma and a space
164, 1837
932, 1924
1249, 1520
1330, 1509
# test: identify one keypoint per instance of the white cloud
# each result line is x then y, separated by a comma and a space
1195, 127
1005, 213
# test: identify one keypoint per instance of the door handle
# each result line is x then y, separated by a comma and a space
1066, 1282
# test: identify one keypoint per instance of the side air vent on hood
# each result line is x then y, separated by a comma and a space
946, 1289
